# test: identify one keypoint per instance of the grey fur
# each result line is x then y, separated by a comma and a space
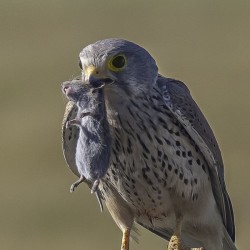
93, 145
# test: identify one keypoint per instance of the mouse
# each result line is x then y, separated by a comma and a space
92, 154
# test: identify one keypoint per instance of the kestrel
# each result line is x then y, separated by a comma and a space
165, 169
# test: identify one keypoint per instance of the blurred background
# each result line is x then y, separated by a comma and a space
203, 43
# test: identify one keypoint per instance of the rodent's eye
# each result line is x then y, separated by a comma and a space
80, 64
117, 63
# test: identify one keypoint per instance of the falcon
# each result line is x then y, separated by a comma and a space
165, 172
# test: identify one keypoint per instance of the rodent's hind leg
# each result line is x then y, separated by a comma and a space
83, 114
95, 186
76, 122
75, 184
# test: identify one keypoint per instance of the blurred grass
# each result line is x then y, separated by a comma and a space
204, 43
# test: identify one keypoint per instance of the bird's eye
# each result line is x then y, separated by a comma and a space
117, 63
80, 64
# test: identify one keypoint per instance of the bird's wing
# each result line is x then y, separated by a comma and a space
180, 102
69, 137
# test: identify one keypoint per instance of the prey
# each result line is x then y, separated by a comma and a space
92, 153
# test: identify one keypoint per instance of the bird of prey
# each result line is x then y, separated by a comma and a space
166, 171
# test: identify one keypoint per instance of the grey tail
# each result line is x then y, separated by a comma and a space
135, 234
99, 199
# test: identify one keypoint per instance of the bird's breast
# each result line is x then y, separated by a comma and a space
154, 163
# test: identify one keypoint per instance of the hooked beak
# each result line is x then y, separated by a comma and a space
95, 78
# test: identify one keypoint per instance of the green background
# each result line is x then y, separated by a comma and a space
204, 43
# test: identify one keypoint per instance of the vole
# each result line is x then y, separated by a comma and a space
92, 153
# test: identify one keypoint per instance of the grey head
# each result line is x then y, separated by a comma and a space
121, 63
83, 95
75, 90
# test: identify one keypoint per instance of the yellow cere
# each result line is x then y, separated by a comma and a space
90, 70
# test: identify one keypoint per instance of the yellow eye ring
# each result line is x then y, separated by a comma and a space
117, 62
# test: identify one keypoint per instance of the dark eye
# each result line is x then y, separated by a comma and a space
119, 62
80, 64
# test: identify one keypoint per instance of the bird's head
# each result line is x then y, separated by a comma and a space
122, 66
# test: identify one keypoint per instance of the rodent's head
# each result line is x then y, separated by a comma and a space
76, 91
85, 96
